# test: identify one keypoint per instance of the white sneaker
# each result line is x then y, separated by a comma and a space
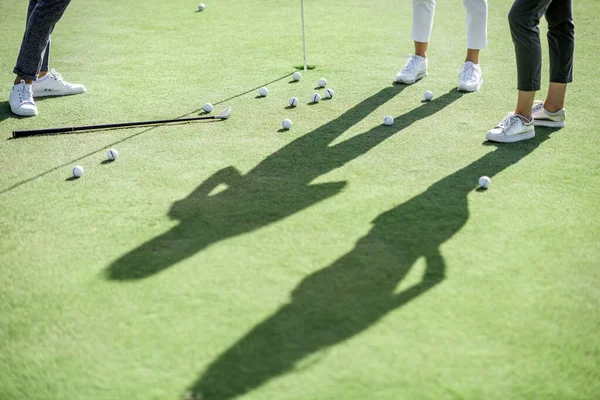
21, 100
543, 117
512, 128
52, 84
414, 69
470, 79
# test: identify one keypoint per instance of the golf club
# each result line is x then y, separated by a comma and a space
18, 134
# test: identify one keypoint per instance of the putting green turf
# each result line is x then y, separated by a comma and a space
341, 259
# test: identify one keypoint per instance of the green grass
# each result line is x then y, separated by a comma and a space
341, 259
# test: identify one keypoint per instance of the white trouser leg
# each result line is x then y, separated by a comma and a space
422, 19
477, 12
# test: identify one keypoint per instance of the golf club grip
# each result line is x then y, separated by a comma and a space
19, 134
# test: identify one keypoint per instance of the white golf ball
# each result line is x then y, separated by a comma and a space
316, 98
201, 6
329, 93
322, 82
297, 76
485, 182
207, 107
112, 154
293, 101
388, 120
77, 171
189, 395
428, 95
263, 91
286, 124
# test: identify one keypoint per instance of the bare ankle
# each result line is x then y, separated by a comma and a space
524, 116
473, 56
18, 80
421, 49
550, 107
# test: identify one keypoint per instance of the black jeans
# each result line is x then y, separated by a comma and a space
34, 55
524, 18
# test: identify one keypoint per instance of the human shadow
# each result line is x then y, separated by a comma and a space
350, 295
276, 188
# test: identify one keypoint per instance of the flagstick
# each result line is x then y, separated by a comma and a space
303, 34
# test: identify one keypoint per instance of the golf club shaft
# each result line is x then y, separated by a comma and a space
18, 134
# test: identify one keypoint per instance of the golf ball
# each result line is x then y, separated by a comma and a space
388, 120
293, 101
297, 76
189, 395
428, 95
201, 6
207, 107
286, 124
112, 154
329, 93
322, 82
263, 91
77, 171
485, 182
316, 98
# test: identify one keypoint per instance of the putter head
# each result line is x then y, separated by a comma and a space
224, 114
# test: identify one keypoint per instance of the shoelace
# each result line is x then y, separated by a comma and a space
506, 123
537, 106
56, 75
467, 72
25, 93
411, 63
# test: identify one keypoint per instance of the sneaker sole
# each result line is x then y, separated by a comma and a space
549, 124
511, 138
419, 77
466, 89
25, 112
54, 94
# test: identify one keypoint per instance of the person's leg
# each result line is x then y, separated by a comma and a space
45, 67
524, 18
46, 53
525, 100
416, 65
477, 15
42, 18
470, 77
423, 11
421, 49
551, 112
20, 99
555, 99
30, 8
561, 42
472, 56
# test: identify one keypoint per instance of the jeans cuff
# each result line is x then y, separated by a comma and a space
24, 75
